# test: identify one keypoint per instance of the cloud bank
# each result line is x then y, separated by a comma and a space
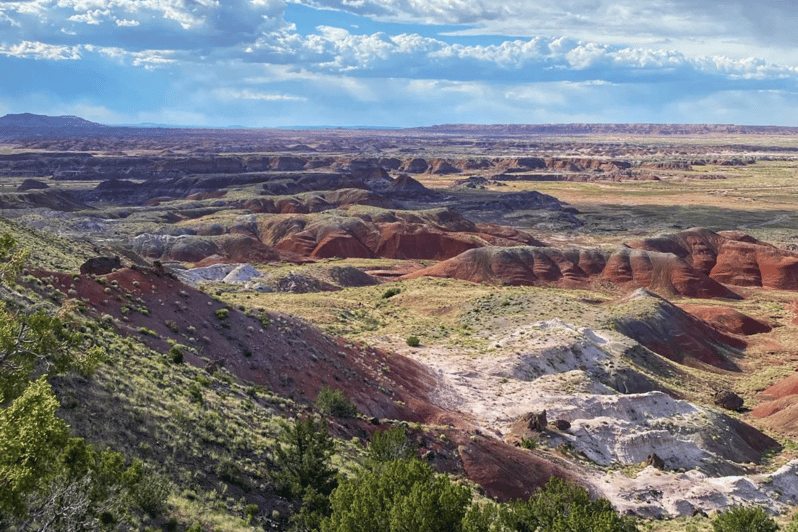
401, 62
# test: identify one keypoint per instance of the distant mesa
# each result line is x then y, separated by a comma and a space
33, 121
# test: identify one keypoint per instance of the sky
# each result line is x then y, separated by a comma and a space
401, 63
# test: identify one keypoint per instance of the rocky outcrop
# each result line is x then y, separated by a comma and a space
654, 461
407, 187
196, 249
442, 166
436, 235
415, 166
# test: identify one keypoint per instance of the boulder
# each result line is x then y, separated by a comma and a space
536, 421
561, 424
654, 460
728, 400
100, 265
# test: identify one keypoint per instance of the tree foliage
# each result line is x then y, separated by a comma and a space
30, 438
303, 458
566, 507
335, 403
12, 259
406, 495
49, 481
39, 343
389, 445
744, 519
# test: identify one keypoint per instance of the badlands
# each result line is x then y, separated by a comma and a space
617, 306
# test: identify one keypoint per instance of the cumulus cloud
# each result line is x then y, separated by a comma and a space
335, 50
183, 24
739, 25
497, 60
40, 50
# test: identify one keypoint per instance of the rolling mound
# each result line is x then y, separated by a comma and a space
674, 333
196, 249
779, 409
314, 202
575, 268
437, 235
36, 197
730, 257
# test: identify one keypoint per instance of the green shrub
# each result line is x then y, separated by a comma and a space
391, 292
565, 506
148, 490
335, 403
413, 341
175, 354
404, 495
171, 325
303, 457
744, 519
251, 511
389, 445
222, 313
148, 332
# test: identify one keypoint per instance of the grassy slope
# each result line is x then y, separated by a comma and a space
211, 435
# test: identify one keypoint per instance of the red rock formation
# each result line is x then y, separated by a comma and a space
415, 166
730, 257
575, 268
436, 235
727, 320
673, 333
442, 166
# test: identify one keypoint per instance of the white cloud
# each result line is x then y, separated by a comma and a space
40, 50
244, 94
91, 17
127, 23
335, 50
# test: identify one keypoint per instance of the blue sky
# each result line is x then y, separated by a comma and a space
269, 63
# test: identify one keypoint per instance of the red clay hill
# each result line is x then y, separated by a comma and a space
692, 263
578, 268
295, 359
360, 232
730, 257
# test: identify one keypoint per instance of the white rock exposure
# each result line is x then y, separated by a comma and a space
568, 372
